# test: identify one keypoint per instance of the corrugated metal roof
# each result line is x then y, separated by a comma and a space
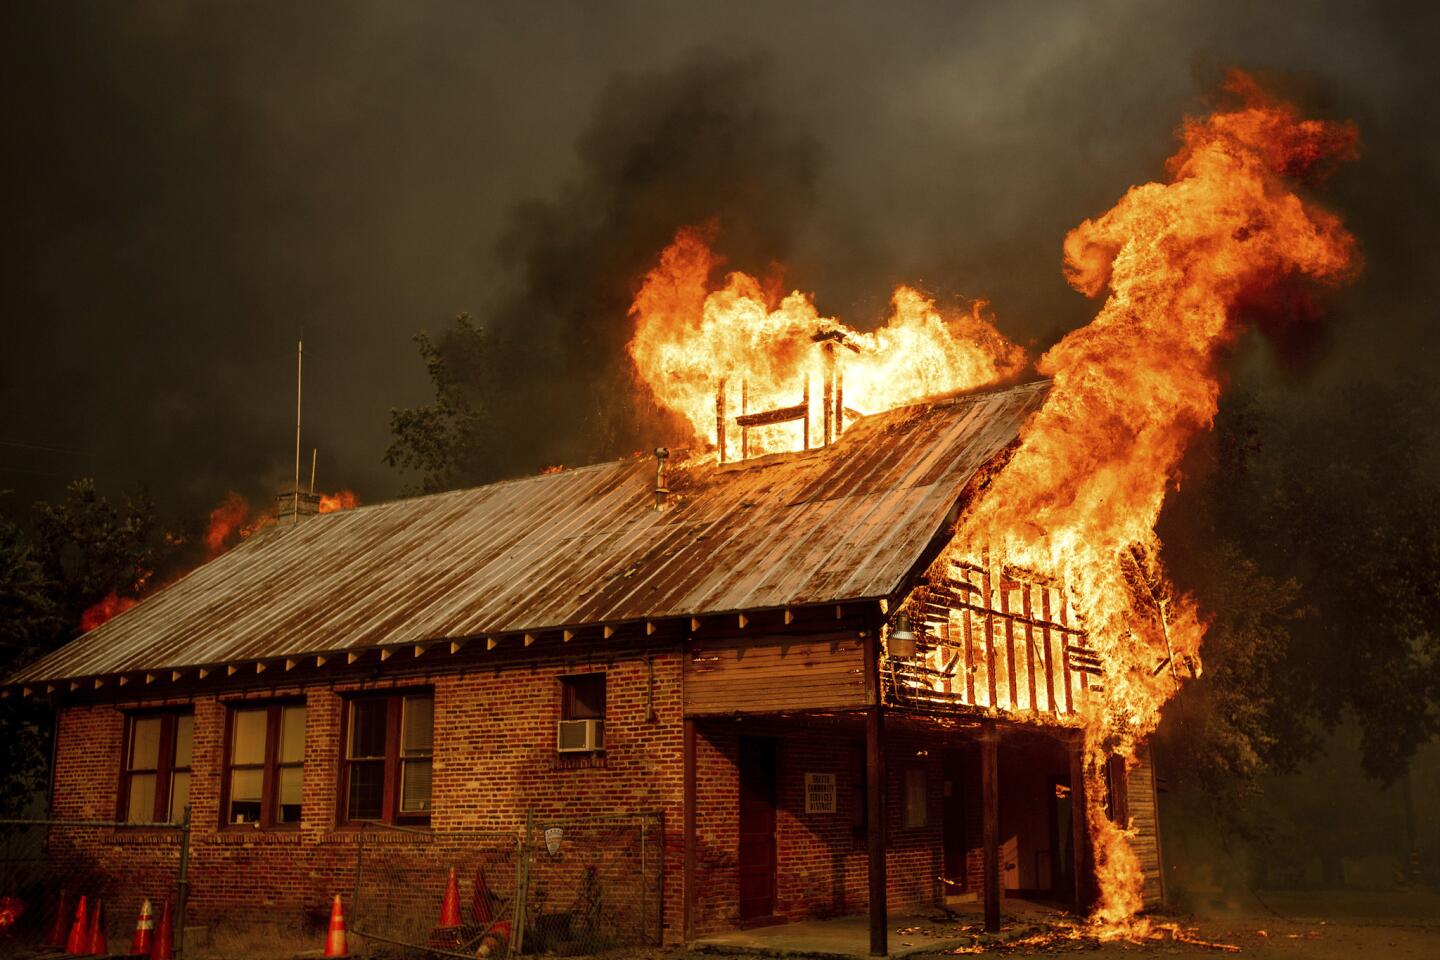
582, 546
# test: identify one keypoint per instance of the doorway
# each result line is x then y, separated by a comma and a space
756, 859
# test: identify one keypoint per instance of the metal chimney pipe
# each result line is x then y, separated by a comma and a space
661, 491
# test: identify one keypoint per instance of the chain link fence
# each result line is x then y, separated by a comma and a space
557, 886
46, 866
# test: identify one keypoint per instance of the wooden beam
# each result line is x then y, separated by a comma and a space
688, 828
990, 804
989, 638
875, 829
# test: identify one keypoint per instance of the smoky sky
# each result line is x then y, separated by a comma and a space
186, 187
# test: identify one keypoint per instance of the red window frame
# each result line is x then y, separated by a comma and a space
270, 765
165, 767
572, 686
394, 720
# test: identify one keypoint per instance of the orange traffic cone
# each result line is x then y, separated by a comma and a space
164, 946
56, 936
95, 944
450, 906
336, 944
480, 910
79, 930
144, 931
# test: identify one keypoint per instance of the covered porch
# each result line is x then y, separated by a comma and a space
974, 814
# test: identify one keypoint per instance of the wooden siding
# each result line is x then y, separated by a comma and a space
1144, 818
774, 674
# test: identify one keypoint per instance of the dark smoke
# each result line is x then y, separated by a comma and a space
700, 142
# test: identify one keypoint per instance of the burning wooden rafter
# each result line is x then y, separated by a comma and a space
833, 409
991, 636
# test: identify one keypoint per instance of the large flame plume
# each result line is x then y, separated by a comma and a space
1077, 501
1080, 497
689, 338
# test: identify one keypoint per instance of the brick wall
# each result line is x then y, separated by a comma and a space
494, 756
821, 859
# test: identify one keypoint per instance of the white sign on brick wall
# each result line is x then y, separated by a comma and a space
819, 793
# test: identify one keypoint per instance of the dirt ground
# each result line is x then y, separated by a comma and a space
1324, 926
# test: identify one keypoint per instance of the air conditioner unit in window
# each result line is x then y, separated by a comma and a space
580, 736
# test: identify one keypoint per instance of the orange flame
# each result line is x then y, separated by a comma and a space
690, 338
226, 522
103, 609
1080, 497
344, 500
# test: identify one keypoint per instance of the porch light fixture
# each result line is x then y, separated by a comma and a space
902, 640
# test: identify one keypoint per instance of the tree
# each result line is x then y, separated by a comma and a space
75, 552
28, 622
89, 547
446, 441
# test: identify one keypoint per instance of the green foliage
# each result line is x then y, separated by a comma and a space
75, 552
446, 441
1310, 534
90, 547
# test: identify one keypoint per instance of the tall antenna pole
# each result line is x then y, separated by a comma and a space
299, 372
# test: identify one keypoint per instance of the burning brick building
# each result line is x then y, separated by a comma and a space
777, 656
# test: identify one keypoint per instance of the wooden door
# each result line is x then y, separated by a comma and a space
952, 814
757, 827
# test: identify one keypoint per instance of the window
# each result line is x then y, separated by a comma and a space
583, 697
265, 765
389, 742
917, 798
155, 777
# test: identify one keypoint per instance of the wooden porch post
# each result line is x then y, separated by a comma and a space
875, 793
875, 829
990, 790
1079, 829
689, 828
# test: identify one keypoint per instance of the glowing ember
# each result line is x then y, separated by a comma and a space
344, 500
11, 909
690, 339
1080, 497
